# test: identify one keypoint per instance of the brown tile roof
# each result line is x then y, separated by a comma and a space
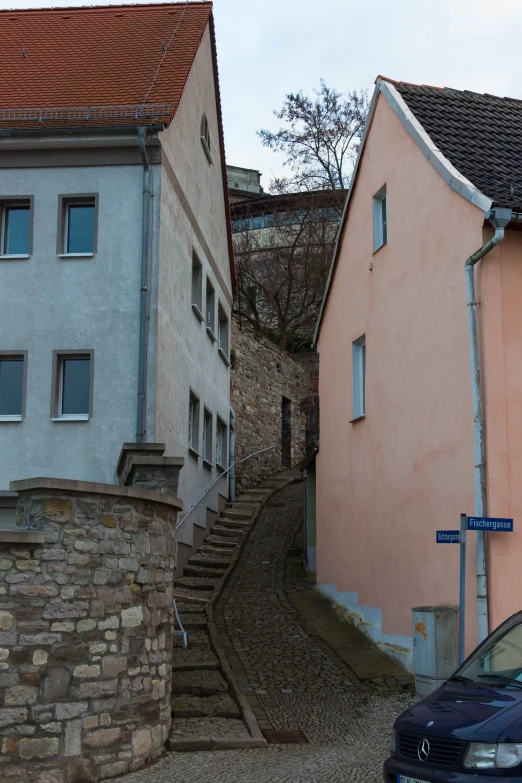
480, 134
101, 56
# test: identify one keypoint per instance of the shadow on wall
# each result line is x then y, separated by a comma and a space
272, 394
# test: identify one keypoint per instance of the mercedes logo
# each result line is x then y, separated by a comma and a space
423, 751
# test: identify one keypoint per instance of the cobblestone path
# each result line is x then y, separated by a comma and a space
293, 681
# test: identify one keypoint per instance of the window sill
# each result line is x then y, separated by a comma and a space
193, 452
17, 536
220, 468
75, 255
224, 356
211, 335
357, 418
76, 417
15, 257
208, 465
197, 312
7, 419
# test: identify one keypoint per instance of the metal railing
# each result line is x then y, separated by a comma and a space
86, 112
232, 465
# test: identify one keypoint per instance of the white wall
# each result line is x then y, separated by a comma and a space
47, 304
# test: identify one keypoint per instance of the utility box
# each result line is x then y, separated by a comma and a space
435, 646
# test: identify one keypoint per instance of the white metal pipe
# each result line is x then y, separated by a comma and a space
499, 218
141, 417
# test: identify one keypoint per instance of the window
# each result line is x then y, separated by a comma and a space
207, 437
223, 333
12, 386
78, 225
221, 443
380, 219
7, 510
205, 138
210, 308
359, 377
193, 424
16, 228
197, 276
73, 386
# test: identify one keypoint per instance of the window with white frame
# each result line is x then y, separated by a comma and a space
193, 423
359, 377
221, 443
73, 386
16, 228
12, 386
205, 138
77, 225
197, 284
223, 332
210, 303
380, 219
207, 436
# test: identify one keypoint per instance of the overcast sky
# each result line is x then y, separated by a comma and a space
267, 48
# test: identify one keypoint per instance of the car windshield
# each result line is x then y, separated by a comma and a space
499, 662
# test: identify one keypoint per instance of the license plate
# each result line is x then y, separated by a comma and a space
406, 779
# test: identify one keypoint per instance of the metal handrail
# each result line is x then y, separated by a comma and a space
182, 631
205, 493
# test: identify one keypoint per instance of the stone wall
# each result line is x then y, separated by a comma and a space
262, 374
85, 631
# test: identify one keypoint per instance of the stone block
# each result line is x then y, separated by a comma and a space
105, 719
95, 690
5, 564
52, 728
85, 671
36, 591
141, 742
97, 648
39, 748
81, 771
73, 738
102, 738
66, 627
114, 769
71, 710
109, 521
19, 695
6, 621
7, 639
101, 576
92, 722
132, 617
86, 546
56, 684
65, 610
113, 665
39, 638
85, 625
52, 776
8, 745
28, 565
40, 657
10, 716
58, 509
77, 559
109, 623
51, 554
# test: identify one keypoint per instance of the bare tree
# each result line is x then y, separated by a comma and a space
320, 139
283, 257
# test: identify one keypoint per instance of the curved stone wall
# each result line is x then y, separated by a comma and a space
85, 631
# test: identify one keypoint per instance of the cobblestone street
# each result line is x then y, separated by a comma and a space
293, 681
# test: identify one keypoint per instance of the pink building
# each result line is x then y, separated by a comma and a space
439, 175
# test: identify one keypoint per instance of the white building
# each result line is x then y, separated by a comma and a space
116, 264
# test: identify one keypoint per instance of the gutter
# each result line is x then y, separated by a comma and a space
141, 418
499, 218
232, 458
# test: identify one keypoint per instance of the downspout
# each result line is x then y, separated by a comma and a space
141, 420
231, 459
499, 218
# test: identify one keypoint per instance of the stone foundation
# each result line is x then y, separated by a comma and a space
85, 631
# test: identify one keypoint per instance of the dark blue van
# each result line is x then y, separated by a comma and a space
470, 729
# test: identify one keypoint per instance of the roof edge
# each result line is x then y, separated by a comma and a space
440, 163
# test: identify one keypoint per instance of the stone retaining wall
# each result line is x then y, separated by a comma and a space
85, 632
261, 375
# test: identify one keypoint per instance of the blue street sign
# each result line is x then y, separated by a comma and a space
448, 536
494, 524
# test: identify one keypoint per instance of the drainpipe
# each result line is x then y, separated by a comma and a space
499, 218
141, 420
231, 458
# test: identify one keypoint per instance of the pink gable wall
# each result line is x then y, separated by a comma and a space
387, 483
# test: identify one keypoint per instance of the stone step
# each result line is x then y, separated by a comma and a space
198, 639
219, 706
246, 506
201, 571
193, 659
190, 596
236, 524
217, 561
192, 621
235, 513
192, 734
226, 532
199, 683
190, 607
196, 582
221, 542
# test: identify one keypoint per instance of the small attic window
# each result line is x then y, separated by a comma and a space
205, 138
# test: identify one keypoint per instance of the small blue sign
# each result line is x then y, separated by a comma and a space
448, 536
494, 524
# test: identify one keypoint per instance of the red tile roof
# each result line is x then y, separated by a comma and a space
101, 56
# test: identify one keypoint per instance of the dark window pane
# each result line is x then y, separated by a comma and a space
80, 228
16, 241
11, 385
76, 385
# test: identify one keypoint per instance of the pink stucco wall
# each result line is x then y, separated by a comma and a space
385, 484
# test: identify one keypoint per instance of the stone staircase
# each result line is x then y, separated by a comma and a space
206, 703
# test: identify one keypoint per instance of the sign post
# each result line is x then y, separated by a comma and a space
462, 595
